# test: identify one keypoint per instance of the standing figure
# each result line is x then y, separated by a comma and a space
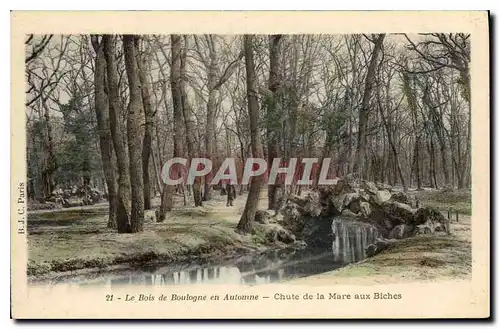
231, 194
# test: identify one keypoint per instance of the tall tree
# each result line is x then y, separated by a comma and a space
135, 132
273, 115
115, 113
365, 106
246, 221
103, 128
190, 122
143, 66
216, 77
167, 191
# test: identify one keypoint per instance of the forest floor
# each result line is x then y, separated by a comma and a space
420, 258
455, 200
77, 238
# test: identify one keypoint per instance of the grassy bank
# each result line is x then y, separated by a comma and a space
70, 240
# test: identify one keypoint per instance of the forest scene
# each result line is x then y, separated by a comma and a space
386, 116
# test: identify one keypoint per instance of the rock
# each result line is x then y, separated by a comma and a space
313, 205
285, 236
349, 214
364, 196
309, 204
426, 214
423, 229
378, 246
381, 196
398, 213
337, 202
355, 206
384, 186
400, 197
379, 219
344, 186
371, 250
402, 231
349, 198
342, 201
275, 232
299, 244
369, 187
365, 209
262, 216
360, 202
403, 198
292, 219
325, 191
440, 227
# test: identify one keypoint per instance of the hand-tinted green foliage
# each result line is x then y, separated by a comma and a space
77, 154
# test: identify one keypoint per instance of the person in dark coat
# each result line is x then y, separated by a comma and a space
231, 194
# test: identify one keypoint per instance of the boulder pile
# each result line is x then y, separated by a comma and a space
393, 213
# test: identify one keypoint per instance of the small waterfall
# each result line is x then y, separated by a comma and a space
351, 239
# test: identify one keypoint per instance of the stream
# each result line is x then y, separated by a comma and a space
347, 245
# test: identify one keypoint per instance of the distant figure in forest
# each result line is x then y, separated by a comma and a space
231, 194
223, 189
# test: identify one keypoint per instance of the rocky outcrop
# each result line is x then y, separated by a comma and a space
428, 219
387, 212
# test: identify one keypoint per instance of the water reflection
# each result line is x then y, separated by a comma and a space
267, 268
348, 241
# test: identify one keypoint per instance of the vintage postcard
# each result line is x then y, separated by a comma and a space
194, 165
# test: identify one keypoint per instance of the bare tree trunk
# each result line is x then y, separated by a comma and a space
391, 143
104, 130
51, 165
273, 129
246, 222
211, 109
417, 163
148, 130
157, 172
210, 134
135, 133
166, 191
365, 105
187, 111
169, 190
433, 162
123, 198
